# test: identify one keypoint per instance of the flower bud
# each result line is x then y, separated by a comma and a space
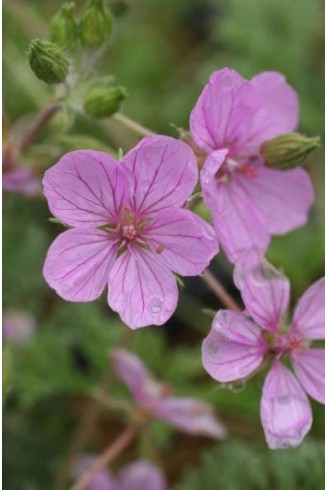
48, 61
63, 27
104, 102
288, 150
96, 24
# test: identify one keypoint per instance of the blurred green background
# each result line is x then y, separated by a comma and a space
163, 52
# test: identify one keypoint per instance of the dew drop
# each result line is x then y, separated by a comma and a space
283, 400
155, 305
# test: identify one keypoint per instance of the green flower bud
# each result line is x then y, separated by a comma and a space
48, 61
96, 24
288, 150
63, 27
103, 102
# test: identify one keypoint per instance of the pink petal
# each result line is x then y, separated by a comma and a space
190, 416
184, 242
86, 188
265, 291
141, 290
23, 181
233, 112
233, 349
141, 475
78, 263
275, 111
131, 370
282, 198
285, 410
165, 173
237, 222
309, 366
216, 114
309, 316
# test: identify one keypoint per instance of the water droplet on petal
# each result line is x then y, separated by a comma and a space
283, 400
155, 305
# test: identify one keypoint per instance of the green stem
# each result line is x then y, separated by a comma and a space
132, 125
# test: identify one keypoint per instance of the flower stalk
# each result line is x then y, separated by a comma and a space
110, 453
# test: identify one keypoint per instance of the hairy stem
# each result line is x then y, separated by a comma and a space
214, 284
110, 453
132, 125
36, 126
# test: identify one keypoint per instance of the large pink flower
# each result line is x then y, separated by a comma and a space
129, 230
238, 343
233, 117
186, 414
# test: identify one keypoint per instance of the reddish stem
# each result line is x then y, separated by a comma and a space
214, 284
112, 451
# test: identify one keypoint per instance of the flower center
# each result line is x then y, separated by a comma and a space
131, 227
129, 231
282, 344
247, 167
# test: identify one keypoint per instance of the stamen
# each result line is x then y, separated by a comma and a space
159, 249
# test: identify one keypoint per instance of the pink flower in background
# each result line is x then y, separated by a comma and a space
233, 117
22, 181
141, 475
17, 326
238, 343
18, 179
186, 414
129, 230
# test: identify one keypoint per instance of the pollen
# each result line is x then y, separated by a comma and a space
129, 231
159, 249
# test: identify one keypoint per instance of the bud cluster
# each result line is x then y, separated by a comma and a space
48, 58
50, 62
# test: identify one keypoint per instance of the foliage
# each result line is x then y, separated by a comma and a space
237, 465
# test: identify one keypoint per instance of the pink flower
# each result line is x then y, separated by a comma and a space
238, 343
22, 181
129, 230
17, 326
18, 179
233, 117
141, 475
186, 414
